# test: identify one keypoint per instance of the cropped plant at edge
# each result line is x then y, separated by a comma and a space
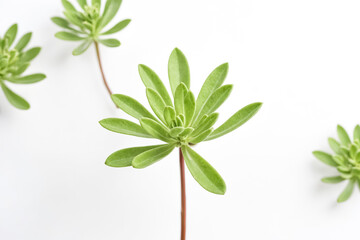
14, 62
181, 123
87, 26
346, 159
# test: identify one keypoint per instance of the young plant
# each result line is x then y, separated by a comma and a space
181, 122
14, 62
87, 26
346, 159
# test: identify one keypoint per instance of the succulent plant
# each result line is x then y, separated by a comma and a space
87, 25
346, 159
181, 122
14, 62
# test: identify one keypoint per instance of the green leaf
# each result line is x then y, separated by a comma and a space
178, 70
187, 131
23, 42
169, 115
96, 2
10, 34
68, 6
206, 123
33, 78
213, 82
124, 126
82, 47
174, 132
151, 80
343, 136
21, 68
156, 129
118, 27
110, 42
152, 156
214, 101
157, 104
62, 22
82, 3
335, 179
111, 8
179, 98
236, 120
15, 99
357, 133
124, 157
334, 145
189, 103
325, 158
30, 54
131, 106
68, 36
347, 192
203, 172
74, 19
201, 137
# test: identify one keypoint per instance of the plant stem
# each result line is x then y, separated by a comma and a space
101, 68
183, 196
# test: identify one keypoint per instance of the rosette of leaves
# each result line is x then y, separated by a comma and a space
87, 25
14, 62
346, 159
179, 122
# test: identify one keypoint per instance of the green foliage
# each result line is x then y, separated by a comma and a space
181, 122
346, 160
14, 62
88, 23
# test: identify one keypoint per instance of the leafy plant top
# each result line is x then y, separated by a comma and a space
346, 159
87, 24
179, 122
14, 62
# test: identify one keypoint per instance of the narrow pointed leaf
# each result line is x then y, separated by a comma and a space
156, 129
151, 80
30, 54
110, 42
68, 6
187, 131
343, 136
131, 106
124, 157
23, 42
118, 27
10, 34
33, 78
74, 19
334, 145
62, 22
96, 2
213, 82
179, 98
157, 104
214, 101
357, 133
178, 70
174, 132
110, 10
347, 192
82, 47
325, 158
201, 137
15, 99
68, 36
236, 120
189, 110
335, 179
203, 172
152, 156
124, 126
169, 115
82, 3
206, 124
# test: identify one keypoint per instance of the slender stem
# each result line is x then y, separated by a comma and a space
101, 68
183, 196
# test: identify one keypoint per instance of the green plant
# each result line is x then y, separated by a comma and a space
14, 62
87, 26
181, 123
346, 160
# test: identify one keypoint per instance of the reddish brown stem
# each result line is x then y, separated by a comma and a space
101, 67
183, 196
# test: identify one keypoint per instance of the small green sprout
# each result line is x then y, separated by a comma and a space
14, 62
346, 160
87, 25
181, 122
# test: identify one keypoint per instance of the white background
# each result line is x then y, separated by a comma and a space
301, 58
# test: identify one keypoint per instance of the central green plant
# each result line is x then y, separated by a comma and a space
181, 122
